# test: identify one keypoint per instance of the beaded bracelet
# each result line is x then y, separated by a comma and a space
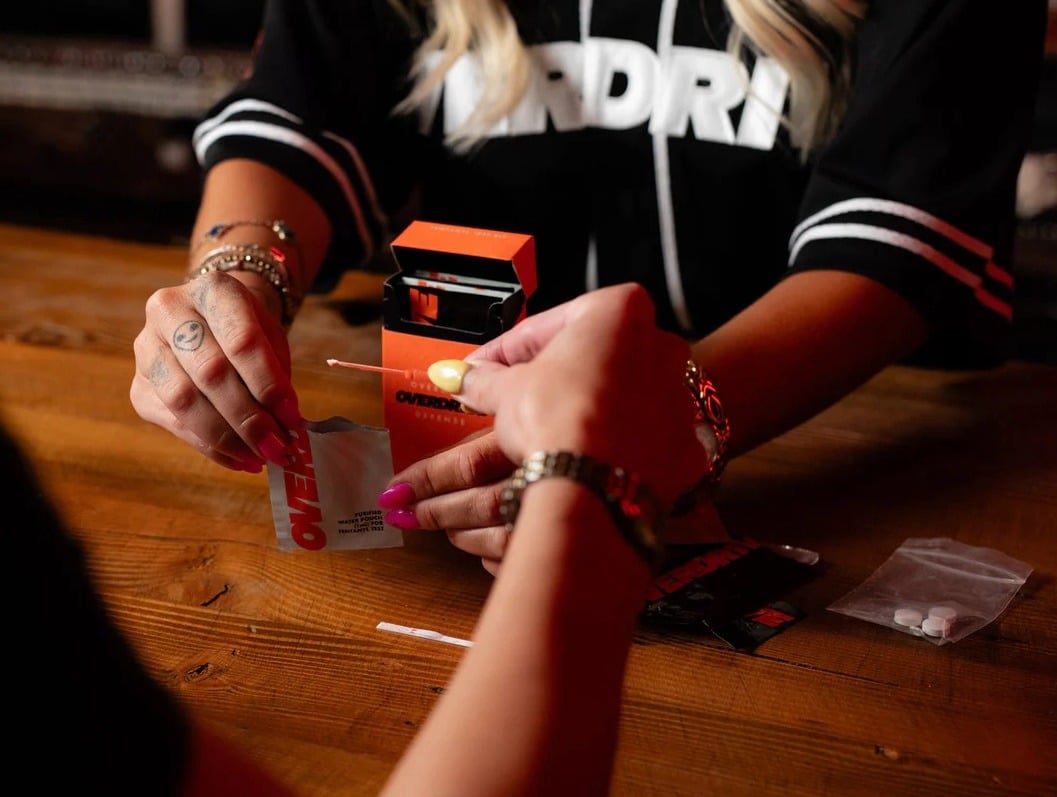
712, 422
632, 507
268, 262
279, 228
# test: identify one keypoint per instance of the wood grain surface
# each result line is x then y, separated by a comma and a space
280, 652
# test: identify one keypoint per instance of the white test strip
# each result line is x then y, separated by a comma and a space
423, 633
453, 287
462, 279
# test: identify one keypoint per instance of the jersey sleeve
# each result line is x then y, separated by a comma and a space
917, 188
317, 107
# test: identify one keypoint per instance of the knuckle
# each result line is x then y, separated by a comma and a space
427, 517
488, 543
212, 369
164, 301
498, 539
486, 503
228, 442
179, 395
204, 284
248, 422
472, 464
270, 394
242, 340
136, 393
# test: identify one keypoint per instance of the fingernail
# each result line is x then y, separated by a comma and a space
251, 465
469, 410
401, 518
274, 450
399, 495
287, 412
448, 374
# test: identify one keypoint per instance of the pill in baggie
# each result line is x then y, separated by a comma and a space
935, 626
908, 617
944, 613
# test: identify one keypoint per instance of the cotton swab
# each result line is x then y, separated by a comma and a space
378, 369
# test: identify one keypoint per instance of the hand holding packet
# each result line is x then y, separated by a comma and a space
328, 498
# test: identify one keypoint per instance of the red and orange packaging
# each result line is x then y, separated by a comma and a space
455, 289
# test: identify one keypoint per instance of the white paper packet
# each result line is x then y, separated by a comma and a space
328, 499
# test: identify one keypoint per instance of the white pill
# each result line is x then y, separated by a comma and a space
944, 613
935, 626
908, 617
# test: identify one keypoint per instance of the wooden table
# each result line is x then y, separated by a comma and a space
280, 650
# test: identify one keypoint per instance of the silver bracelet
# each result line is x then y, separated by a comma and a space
632, 507
265, 261
279, 228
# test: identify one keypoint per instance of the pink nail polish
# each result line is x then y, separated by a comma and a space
399, 495
401, 518
286, 411
251, 465
274, 450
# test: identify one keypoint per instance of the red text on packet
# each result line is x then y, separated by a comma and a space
302, 498
699, 566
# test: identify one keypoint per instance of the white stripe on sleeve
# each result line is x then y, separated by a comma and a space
283, 135
908, 243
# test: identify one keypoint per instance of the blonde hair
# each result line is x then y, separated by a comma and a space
813, 40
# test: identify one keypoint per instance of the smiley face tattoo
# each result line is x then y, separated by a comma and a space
189, 336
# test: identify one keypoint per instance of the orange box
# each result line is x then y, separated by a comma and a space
455, 288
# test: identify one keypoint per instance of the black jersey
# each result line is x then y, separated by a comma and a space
644, 151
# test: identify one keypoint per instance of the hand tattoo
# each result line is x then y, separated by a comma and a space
189, 336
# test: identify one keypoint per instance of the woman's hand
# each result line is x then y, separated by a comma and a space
594, 375
458, 489
213, 368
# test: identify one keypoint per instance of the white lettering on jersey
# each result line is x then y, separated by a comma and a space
616, 84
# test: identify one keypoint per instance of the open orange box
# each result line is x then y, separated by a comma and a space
455, 288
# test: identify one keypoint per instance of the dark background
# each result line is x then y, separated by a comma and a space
110, 170
129, 172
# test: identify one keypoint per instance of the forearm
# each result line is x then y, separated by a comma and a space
808, 342
534, 706
244, 190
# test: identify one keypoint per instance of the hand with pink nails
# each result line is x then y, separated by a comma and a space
202, 376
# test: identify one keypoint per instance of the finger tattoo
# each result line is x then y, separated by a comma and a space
189, 336
159, 371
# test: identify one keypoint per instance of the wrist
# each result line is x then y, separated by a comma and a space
565, 530
269, 264
273, 234
631, 507
263, 290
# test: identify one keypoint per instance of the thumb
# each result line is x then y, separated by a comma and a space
477, 385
